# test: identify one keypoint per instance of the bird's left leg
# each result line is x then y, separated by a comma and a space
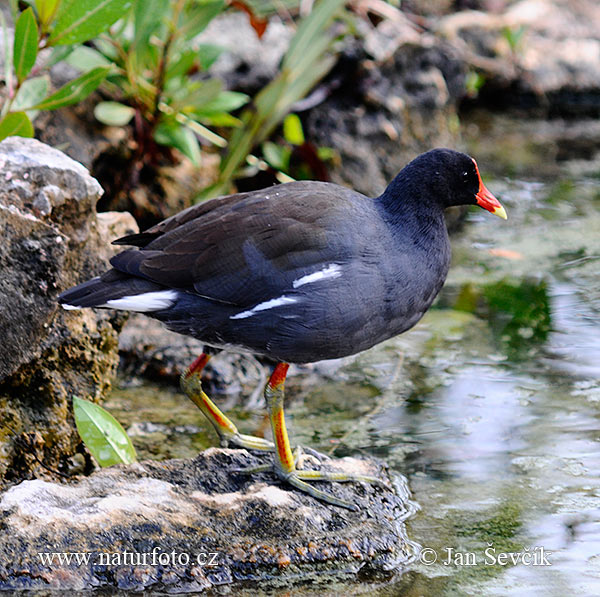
284, 459
191, 384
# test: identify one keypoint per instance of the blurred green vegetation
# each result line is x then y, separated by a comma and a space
153, 75
518, 312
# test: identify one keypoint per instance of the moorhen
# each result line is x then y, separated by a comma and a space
297, 272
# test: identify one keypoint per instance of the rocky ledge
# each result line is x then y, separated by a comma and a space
189, 525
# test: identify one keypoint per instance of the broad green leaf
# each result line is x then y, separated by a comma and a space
196, 94
16, 123
46, 9
147, 15
31, 93
277, 156
58, 54
292, 129
226, 101
180, 65
113, 113
80, 20
102, 434
74, 91
208, 53
197, 16
176, 135
85, 58
217, 118
26, 44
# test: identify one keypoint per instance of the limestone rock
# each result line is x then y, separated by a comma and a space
536, 54
182, 526
51, 239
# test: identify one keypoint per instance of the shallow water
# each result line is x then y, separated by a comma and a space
490, 406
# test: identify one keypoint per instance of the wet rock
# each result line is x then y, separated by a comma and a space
537, 54
51, 239
188, 525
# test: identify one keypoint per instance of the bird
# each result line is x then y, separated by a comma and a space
296, 273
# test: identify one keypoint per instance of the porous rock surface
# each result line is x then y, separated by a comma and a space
188, 525
51, 240
534, 54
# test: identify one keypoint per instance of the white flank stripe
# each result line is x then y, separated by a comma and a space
329, 272
143, 303
70, 307
270, 304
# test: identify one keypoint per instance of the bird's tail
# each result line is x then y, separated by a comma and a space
117, 290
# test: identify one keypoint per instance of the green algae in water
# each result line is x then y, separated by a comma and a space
519, 314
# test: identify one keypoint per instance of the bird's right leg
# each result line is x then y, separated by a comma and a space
191, 384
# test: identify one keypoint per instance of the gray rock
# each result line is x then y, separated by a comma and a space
51, 239
249, 63
182, 526
387, 113
555, 65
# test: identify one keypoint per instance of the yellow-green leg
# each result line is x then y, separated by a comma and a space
284, 464
191, 384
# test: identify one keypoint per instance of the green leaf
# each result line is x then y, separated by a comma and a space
58, 54
113, 113
292, 130
80, 20
180, 65
46, 9
176, 135
208, 53
147, 16
102, 434
226, 101
197, 16
196, 94
31, 93
74, 91
217, 118
277, 156
16, 123
84, 58
26, 44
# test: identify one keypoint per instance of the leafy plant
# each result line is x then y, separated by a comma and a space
59, 25
474, 81
155, 77
514, 37
308, 59
102, 434
294, 157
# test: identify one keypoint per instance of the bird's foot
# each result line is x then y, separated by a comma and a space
298, 479
250, 442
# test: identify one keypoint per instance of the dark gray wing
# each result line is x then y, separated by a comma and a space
243, 249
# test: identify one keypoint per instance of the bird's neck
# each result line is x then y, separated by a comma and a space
407, 209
